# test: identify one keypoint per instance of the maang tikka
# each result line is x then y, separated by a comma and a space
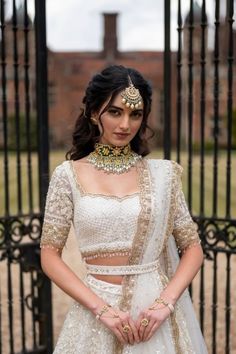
131, 96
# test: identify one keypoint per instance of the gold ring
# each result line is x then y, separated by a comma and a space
126, 328
115, 316
144, 322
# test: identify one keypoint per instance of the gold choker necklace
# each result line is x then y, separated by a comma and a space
113, 159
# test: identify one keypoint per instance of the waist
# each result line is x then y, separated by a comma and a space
122, 269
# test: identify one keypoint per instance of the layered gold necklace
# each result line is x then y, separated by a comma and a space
113, 159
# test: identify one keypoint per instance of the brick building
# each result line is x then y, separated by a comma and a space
69, 73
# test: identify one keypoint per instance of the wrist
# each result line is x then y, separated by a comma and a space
104, 309
96, 307
161, 303
170, 298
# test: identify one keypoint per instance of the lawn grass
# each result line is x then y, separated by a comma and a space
208, 181
56, 157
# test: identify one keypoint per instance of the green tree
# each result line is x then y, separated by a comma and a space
22, 131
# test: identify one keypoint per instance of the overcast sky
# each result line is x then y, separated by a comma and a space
78, 24
74, 25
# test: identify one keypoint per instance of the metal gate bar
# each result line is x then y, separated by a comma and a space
25, 292
201, 132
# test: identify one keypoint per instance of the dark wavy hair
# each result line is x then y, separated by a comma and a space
103, 86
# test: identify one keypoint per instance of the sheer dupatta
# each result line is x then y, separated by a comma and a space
163, 214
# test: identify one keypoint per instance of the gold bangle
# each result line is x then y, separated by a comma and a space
104, 309
160, 300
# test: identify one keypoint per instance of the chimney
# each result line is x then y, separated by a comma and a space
110, 36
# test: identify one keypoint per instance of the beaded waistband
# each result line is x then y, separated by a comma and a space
108, 254
122, 270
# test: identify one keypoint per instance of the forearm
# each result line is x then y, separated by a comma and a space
188, 267
58, 271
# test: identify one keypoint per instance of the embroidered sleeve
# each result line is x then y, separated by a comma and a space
58, 211
185, 230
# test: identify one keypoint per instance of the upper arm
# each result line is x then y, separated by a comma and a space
58, 211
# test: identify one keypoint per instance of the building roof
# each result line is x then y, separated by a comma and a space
197, 14
20, 17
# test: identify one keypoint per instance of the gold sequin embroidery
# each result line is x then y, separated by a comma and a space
58, 211
184, 229
186, 236
139, 241
54, 236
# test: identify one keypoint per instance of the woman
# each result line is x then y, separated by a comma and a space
130, 216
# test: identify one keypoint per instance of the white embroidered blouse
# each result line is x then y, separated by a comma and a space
104, 225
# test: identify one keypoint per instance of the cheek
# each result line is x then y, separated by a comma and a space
108, 125
136, 125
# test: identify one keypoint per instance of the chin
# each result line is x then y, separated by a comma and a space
121, 143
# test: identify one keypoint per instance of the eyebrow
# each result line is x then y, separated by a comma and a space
113, 106
121, 109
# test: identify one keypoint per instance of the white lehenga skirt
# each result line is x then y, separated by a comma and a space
82, 333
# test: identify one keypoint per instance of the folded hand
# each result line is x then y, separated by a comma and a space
150, 320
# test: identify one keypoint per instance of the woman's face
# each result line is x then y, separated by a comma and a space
119, 123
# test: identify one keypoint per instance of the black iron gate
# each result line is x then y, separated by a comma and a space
25, 293
200, 128
200, 119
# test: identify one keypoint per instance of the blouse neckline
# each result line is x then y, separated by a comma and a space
83, 192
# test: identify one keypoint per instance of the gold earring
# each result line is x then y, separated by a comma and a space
94, 120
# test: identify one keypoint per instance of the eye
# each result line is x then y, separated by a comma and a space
114, 112
137, 114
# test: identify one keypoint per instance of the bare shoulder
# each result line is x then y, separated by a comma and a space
82, 166
83, 160
81, 163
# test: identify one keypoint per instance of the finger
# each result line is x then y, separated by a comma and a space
148, 329
141, 331
125, 322
141, 317
129, 334
134, 330
124, 318
138, 321
153, 330
144, 327
123, 334
119, 336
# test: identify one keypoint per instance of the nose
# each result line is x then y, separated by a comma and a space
124, 123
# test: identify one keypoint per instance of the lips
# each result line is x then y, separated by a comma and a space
122, 134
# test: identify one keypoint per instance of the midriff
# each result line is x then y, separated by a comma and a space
111, 261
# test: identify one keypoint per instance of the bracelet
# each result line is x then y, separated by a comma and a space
104, 309
160, 300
